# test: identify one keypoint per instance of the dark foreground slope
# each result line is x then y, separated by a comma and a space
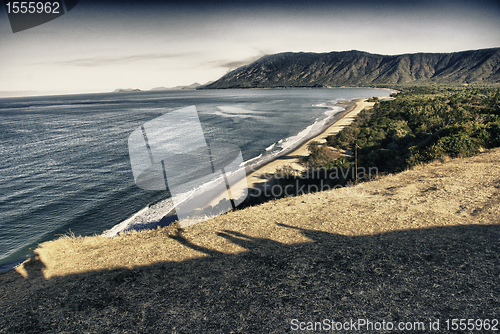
419, 246
356, 68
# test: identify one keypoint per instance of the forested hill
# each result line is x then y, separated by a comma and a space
357, 68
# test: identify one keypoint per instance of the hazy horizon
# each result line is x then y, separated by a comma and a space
102, 46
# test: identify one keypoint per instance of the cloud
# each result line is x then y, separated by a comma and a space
105, 61
231, 65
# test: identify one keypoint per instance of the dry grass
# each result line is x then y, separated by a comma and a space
421, 243
455, 192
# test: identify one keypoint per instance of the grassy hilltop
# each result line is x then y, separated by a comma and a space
422, 244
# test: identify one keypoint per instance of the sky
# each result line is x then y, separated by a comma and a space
99, 46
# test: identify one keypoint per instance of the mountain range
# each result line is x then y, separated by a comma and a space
358, 68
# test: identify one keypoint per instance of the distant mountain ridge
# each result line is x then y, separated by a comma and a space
358, 68
126, 90
191, 86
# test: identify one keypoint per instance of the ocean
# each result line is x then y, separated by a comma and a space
65, 164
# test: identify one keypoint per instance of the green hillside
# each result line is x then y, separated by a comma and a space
356, 68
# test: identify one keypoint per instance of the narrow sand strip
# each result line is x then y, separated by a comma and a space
293, 157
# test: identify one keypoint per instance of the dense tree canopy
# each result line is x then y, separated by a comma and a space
420, 125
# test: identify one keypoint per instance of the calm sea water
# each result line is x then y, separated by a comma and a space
64, 160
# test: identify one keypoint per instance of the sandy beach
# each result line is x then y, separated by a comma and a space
292, 158
262, 173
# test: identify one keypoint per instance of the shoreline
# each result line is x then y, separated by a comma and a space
300, 151
337, 123
254, 173
262, 172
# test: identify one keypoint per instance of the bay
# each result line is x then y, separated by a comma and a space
65, 163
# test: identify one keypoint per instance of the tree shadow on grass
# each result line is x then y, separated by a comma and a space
413, 275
